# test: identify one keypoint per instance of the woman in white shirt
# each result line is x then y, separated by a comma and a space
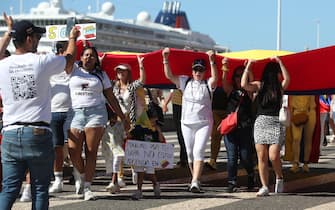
88, 86
197, 117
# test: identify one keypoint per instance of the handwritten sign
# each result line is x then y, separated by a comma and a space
55, 33
156, 155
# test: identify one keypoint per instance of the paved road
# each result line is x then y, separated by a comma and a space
313, 190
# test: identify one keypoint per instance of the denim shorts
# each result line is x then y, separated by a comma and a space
60, 124
85, 117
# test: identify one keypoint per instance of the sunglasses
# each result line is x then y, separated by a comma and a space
199, 69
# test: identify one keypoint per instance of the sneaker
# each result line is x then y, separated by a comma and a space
157, 190
294, 168
121, 183
195, 187
56, 187
279, 187
89, 195
137, 195
264, 191
26, 194
231, 188
305, 168
113, 188
134, 177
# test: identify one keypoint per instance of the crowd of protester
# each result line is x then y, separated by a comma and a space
58, 102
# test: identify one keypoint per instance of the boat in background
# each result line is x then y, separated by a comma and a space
170, 28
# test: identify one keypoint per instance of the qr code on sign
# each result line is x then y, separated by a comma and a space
24, 87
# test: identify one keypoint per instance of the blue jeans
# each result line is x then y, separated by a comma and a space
239, 143
60, 125
23, 149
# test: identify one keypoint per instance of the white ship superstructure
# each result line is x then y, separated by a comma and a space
170, 29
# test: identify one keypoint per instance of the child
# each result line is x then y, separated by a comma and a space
153, 135
112, 150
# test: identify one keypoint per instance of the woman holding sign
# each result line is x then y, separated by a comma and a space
197, 117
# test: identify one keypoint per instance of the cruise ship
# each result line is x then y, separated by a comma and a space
170, 28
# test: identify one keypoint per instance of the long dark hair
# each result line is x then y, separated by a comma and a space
97, 63
238, 71
271, 90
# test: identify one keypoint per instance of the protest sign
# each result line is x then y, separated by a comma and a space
149, 154
55, 33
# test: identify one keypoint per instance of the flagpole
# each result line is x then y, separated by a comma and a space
279, 25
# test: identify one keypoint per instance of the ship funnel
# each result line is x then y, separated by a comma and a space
171, 15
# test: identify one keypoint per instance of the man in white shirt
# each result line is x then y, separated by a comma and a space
25, 90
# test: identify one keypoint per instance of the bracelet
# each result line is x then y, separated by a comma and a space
75, 38
165, 62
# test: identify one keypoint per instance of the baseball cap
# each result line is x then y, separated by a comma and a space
24, 28
123, 67
199, 65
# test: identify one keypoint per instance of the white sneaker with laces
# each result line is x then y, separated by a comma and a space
26, 194
157, 190
89, 195
279, 188
56, 187
113, 188
264, 191
121, 183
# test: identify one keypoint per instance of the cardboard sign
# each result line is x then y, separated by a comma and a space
88, 31
149, 154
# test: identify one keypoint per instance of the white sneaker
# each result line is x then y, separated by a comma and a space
264, 191
279, 188
134, 177
121, 183
113, 188
26, 194
56, 187
195, 187
157, 190
137, 195
89, 195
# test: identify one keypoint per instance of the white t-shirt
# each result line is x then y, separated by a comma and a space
86, 89
25, 86
60, 92
197, 103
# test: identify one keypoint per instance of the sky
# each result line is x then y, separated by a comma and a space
237, 24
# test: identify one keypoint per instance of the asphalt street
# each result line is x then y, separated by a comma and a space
313, 190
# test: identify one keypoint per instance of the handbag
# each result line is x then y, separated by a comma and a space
155, 108
285, 116
229, 123
300, 118
284, 113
